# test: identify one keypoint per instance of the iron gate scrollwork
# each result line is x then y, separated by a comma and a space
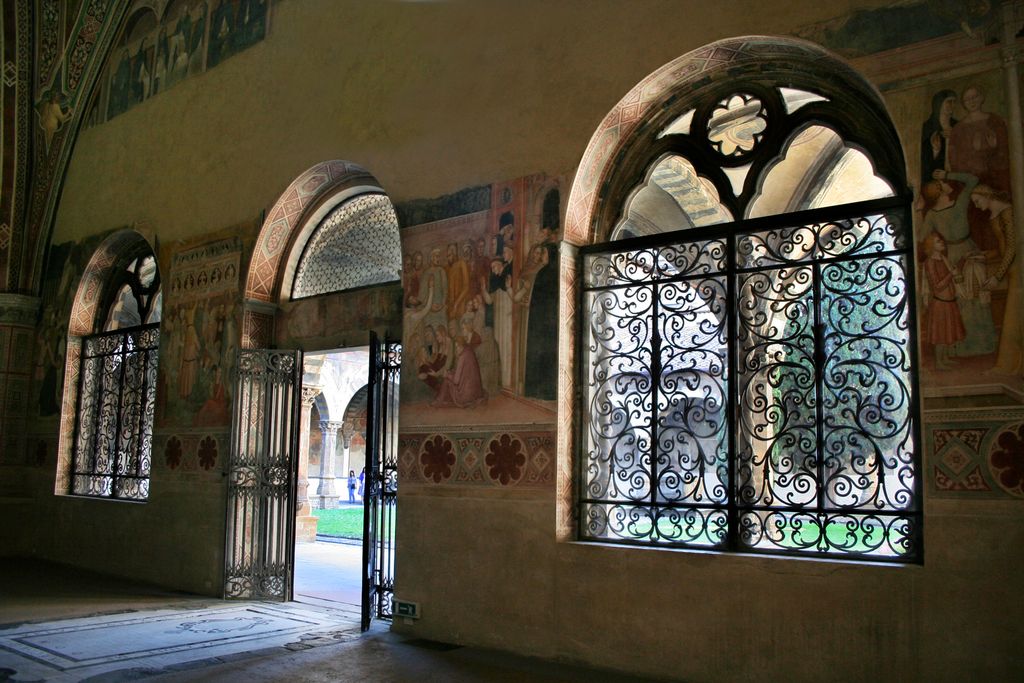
260, 545
381, 480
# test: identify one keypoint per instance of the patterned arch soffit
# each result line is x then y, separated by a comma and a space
295, 214
107, 256
654, 103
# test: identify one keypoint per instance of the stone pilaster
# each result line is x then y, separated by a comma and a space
305, 523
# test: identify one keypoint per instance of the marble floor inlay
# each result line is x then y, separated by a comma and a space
74, 649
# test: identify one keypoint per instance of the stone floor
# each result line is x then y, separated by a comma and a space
61, 624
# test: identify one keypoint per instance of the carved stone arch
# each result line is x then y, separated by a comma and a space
114, 252
354, 411
289, 223
306, 200
356, 403
323, 407
655, 102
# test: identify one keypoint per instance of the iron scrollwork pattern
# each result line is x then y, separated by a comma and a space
381, 499
260, 480
750, 388
116, 400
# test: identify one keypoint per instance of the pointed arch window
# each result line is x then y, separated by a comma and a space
747, 334
112, 450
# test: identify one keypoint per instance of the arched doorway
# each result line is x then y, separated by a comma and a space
324, 276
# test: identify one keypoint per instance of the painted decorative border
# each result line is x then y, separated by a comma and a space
976, 454
499, 459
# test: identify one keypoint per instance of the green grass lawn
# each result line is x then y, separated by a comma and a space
346, 522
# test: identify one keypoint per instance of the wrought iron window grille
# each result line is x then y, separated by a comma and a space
114, 417
750, 387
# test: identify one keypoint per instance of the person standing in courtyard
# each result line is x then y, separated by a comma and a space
362, 482
351, 486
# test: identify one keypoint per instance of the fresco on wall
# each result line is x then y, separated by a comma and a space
480, 308
969, 288
868, 31
65, 264
201, 318
153, 54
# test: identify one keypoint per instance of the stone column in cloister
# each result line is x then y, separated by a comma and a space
326, 493
305, 523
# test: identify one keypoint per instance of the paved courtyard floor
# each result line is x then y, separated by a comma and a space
329, 572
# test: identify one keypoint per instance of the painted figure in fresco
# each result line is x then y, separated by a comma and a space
140, 75
497, 296
221, 26
487, 350
120, 86
935, 135
473, 284
160, 62
414, 275
997, 206
257, 25
52, 116
215, 410
196, 35
190, 355
945, 212
943, 326
434, 362
979, 145
462, 386
457, 272
481, 265
540, 380
506, 233
435, 279
177, 59
50, 357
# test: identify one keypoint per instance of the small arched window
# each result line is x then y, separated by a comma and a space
747, 337
116, 391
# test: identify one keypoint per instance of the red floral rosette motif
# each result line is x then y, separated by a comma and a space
172, 452
505, 459
1007, 459
207, 452
437, 458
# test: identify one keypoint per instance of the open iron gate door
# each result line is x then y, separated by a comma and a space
381, 485
259, 553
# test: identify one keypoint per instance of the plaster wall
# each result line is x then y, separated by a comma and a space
430, 97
